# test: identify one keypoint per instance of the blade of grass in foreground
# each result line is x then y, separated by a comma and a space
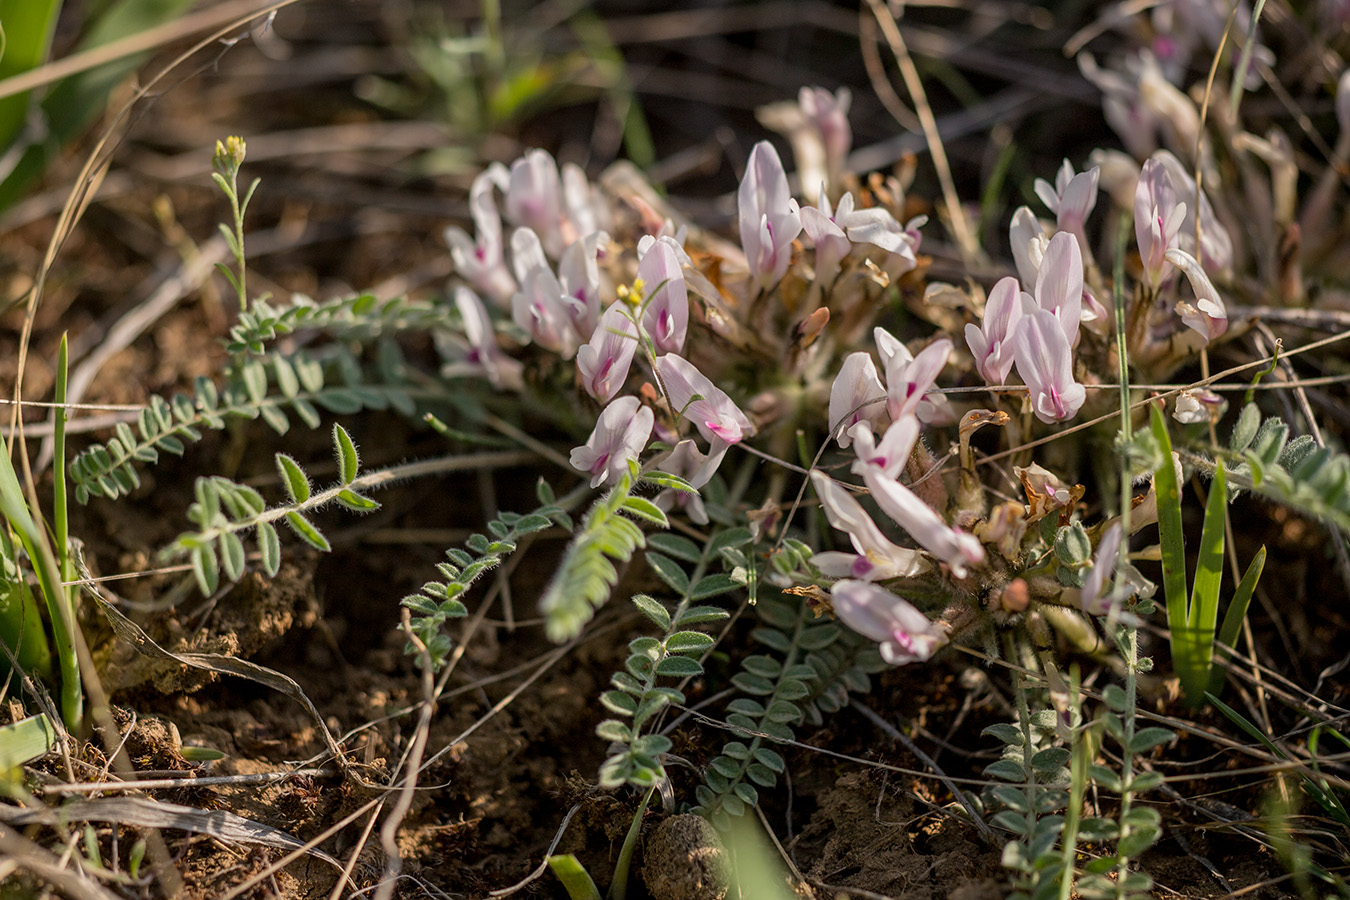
26, 28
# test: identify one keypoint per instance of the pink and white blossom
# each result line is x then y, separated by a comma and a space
1158, 216
534, 200
877, 558
991, 340
1044, 359
1059, 283
857, 395
665, 314
481, 261
1206, 315
1071, 198
827, 115
542, 310
769, 218
1096, 598
905, 634
1216, 245
484, 353
620, 435
579, 278
909, 377
879, 465
834, 232
714, 414
1028, 241
604, 361
695, 467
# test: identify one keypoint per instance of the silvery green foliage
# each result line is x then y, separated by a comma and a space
1037, 777
268, 388
635, 758
361, 317
437, 602
608, 534
224, 511
1139, 827
774, 689
1314, 480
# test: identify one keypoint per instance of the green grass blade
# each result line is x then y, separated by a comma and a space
1236, 612
574, 877
1172, 543
1203, 612
25, 740
14, 507
26, 28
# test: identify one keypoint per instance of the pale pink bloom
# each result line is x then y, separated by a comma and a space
1198, 406
1028, 242
879, 466
542, 309
905, 634
828, 115
856, 396
909, 377
583, 210
665, 310
877, 558
604, 361
1216, 246
713, 413
620, 435
1157, 219
527, 254
1207, 315
1045, 361
1041, 482
769, 217
481, 261
1122, 103
1071, 198
579, 277
1343, 100
991, 340
891, 455
501, 370
835, 232
1059, 283
1096, 599
694, 467
1095, 316
533, 198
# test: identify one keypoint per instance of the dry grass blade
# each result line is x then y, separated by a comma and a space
45, 865
144, 813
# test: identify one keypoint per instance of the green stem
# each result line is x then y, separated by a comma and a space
618, 888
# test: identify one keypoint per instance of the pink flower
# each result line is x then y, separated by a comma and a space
769, 217
501, 370
1096, 600
877, 558
909, 377
905, 634
665, 313
696, 398
694, 467
1157, 219
1071, 198
579, 278
541, 306
855, 397
604, 361
533, 198
1045, 362
620, 435
481, 262
835, 232
1216, 246
892, 455
991, 341
1207, 316
1028, 242
879, 467
827, 114
1059, 283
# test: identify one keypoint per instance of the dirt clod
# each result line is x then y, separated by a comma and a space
684, 860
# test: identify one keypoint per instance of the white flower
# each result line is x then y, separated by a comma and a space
905, 634
770, 219
620, 435
877, 558
604, 361
713, 413
1207, 316
855, 397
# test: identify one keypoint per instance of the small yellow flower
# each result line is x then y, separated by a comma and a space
632, 295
